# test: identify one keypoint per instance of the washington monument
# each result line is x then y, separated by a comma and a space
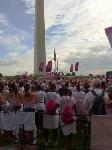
39, 44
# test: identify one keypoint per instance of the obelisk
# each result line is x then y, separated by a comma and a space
39, 48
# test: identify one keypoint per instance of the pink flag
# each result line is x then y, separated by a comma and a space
41, 66
108, 32
76, 66
71, 68
49, 66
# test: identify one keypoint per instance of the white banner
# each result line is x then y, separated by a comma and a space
12, 121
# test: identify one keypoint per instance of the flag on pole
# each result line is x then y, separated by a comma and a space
54, 55
76, 66
108, 32
57, 65
71, 68
41, 66
49, 66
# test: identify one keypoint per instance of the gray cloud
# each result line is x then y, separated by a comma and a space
91, 62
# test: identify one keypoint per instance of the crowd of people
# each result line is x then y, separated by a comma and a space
58, 103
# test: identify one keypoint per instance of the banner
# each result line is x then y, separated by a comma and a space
49, 66
41, 66
108, 32
76, 66
54, 55
71, 68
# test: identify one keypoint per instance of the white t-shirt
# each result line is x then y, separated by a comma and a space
89, 99
73, 89
67, 129
5, 95
21, 90
41, 100
79, 96
51, 121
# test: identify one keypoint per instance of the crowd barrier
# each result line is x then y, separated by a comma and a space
99, 136
12, 120
26, 121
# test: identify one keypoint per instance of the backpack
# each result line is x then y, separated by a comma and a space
98, 107
67, 113
51, 106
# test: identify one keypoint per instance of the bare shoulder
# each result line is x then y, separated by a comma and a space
34, 95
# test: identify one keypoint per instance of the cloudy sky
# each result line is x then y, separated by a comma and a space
75, 28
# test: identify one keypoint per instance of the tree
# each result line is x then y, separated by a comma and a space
73, 74
1, 75
90, 75
68, 74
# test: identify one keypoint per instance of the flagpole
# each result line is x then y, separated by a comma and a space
55, 59
55, 66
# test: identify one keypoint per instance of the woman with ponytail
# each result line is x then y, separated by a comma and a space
29, 105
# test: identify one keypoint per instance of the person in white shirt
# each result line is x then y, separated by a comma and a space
21, 87
5, 99
51, 120
72, 86
89, 98
68, 129
40, 108
79, 95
